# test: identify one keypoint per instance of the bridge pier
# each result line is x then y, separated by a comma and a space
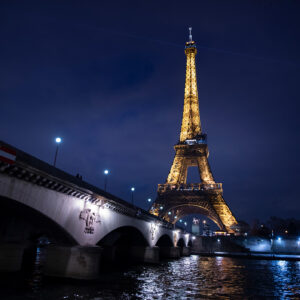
169, 252
11, 256
79, 262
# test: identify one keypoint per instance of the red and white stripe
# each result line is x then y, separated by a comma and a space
7, 155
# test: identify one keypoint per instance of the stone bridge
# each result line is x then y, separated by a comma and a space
81, 226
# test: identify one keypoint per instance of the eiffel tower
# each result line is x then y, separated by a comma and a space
176, 199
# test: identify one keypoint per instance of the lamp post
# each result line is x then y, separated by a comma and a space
149, 201
132, 190
57, 141
106, 172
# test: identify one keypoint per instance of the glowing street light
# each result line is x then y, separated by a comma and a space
149, 200
58, 140
132, 190
106, 172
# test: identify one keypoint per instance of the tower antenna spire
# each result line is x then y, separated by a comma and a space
190, 35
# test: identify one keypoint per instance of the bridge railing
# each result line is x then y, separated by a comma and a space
190, 187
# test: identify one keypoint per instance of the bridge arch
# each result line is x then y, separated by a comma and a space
124, 235
185, 210
25, 224
164, 241
120, 246
181, 243
62, 209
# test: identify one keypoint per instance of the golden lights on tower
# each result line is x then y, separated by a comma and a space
192, 151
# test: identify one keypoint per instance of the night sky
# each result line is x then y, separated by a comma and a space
108, 77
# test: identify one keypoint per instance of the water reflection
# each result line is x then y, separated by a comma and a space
284, 275
36, 276
191, 277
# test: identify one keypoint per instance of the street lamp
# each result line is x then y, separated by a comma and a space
149, 201
57, 141
132, 190
106, 172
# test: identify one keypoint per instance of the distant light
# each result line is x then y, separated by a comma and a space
161, 208
218, 240
58, 140
204, 221
180, 221
149, 199
132, 189
193, 237
286, 232
185, 223
106, 172
175, 217
279, 239
169, 213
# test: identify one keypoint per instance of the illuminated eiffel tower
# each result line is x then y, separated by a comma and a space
176, 198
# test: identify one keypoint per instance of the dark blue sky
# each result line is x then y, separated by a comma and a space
108, 77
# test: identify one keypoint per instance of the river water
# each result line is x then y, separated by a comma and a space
192, 277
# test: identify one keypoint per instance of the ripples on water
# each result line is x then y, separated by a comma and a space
191, 277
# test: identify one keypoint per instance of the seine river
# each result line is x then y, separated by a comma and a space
191, 277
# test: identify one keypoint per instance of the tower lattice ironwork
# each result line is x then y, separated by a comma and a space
176, 198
